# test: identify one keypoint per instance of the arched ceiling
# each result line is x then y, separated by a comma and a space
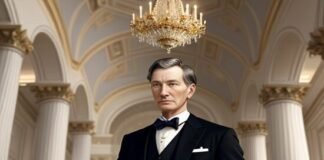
97, 38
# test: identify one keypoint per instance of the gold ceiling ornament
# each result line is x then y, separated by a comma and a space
168, 24
316, 44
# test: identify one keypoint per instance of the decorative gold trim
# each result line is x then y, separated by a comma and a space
81, 127
253, 127
49, 91
316, 44
13, 36
272, 93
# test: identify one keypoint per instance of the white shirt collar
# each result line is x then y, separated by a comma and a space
183, 116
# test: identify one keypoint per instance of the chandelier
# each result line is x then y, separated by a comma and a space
168, 24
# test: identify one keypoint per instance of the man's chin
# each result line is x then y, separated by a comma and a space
166, 107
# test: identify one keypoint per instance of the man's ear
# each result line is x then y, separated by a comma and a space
191, 90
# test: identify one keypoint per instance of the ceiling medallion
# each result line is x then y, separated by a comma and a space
168, 24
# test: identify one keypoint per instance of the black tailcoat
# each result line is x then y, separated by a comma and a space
199, 140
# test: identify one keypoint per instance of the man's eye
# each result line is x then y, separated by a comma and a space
155, 85
172, 84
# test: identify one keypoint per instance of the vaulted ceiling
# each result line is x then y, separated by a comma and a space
96, 36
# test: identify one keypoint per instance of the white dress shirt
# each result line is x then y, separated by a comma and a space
164, 136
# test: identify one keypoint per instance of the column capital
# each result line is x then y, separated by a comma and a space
14, 36
81, 127
316, 45
256, 127
52, 90
271, 93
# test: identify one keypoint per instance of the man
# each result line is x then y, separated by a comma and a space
178, 134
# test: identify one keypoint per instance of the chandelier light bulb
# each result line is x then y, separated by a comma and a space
141, 11
150, 7
133, 18
187, 9
195, 12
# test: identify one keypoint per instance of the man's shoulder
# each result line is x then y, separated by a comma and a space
211, 126
139, 132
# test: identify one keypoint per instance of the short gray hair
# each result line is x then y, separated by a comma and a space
189, 75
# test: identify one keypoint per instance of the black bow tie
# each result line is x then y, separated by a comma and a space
160, 124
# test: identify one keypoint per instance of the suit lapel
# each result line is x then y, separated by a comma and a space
150, 150
191, 134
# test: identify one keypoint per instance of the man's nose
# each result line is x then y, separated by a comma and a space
164, 91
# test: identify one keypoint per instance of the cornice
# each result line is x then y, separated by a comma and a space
81, 127
316, 43
14, 36
253, 127
52, 91
278, 92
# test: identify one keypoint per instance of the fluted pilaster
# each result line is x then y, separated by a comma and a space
254, 140
53, 118
13, 43
285, 122
81, 132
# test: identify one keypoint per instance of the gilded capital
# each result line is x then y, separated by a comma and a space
316, 43
253, 127
52, 90
12, 35
81, 127
272, 93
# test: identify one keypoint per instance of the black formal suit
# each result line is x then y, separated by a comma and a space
222, 143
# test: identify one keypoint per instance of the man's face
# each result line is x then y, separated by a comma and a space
170, 91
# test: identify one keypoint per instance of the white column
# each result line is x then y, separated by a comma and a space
285, 122
52, 121
81, 139
254, 140
13, 45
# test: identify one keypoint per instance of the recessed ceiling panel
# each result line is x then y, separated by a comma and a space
96, 66
118, 25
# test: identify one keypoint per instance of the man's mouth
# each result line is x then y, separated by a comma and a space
165, 101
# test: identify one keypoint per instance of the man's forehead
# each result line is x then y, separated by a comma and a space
169, 74
172, 71
167, 80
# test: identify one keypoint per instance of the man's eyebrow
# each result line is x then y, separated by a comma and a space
172, 80
168, 81
155, 81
